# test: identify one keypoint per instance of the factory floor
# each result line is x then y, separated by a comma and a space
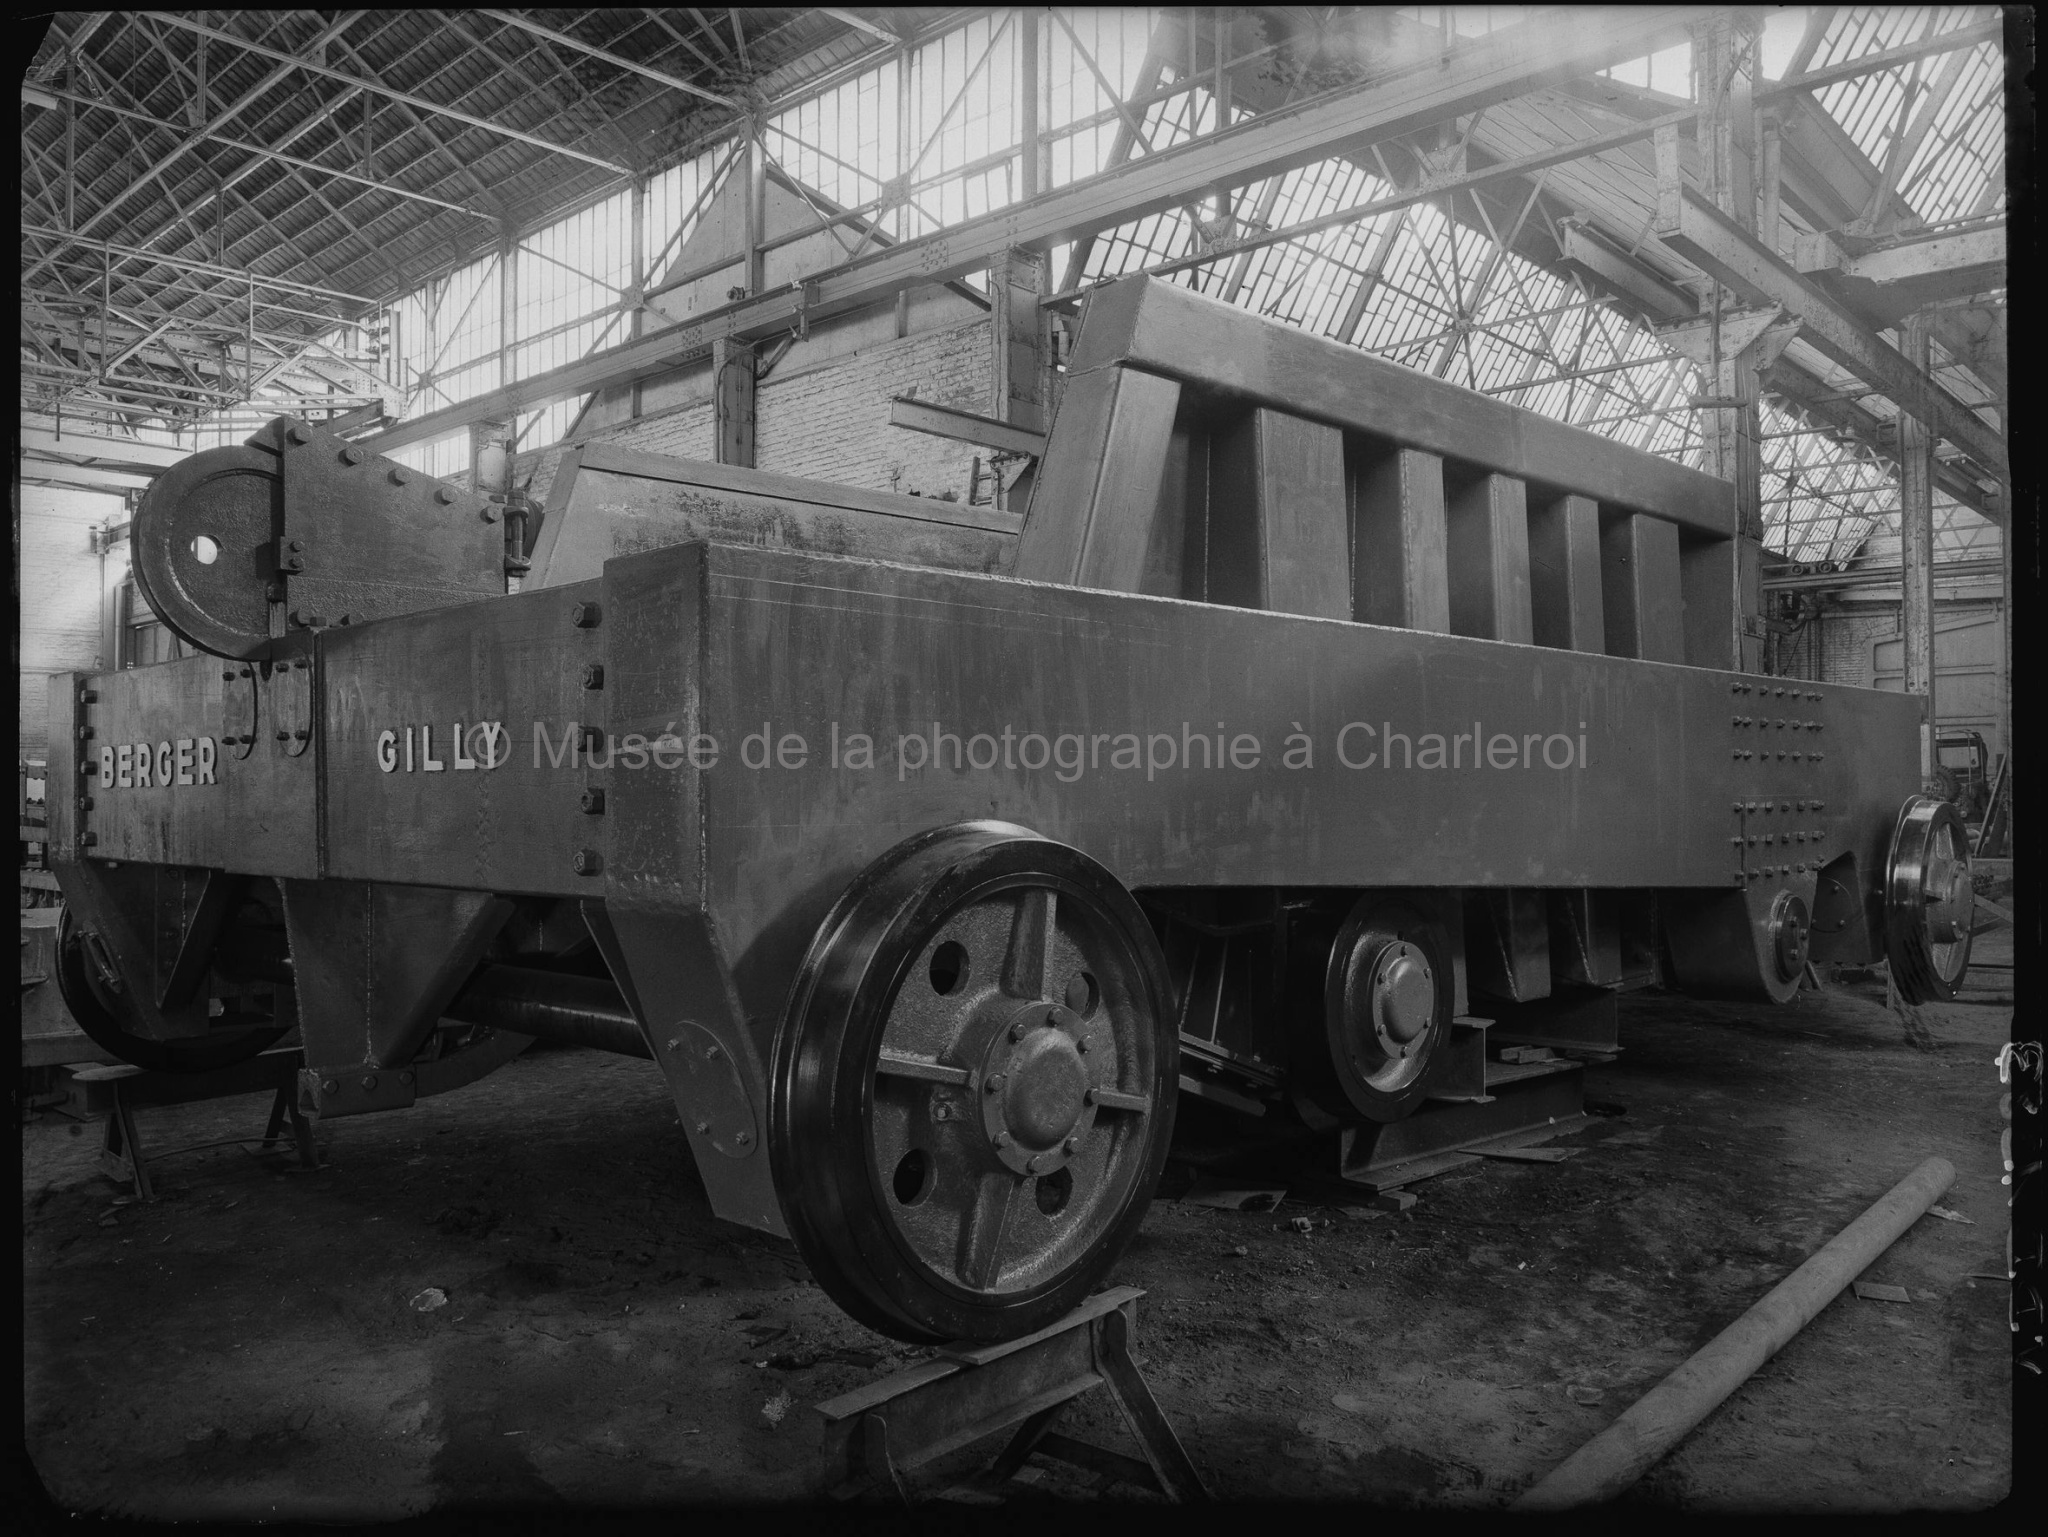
254, 1344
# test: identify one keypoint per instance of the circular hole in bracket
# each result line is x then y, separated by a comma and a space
205, 550
912, 1181
949, 968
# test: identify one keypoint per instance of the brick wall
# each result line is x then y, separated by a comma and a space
1846, 638
1836, 646
832, 422
827, 421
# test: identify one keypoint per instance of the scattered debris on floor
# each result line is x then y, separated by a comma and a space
1414, 1358
1224, 1196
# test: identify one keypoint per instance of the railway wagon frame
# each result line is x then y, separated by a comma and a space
919, 845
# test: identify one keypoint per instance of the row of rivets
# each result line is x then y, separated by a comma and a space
1763, 691
398, 475
586, 616
1765, 725
1744, 753
1740, 806
1773, 870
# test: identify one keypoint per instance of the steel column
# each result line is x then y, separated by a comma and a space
1916, 545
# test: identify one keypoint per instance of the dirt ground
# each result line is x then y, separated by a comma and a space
250, 1345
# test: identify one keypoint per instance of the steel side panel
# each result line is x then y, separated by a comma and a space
1153, 324
259, 817
517, 662
1566, 608
796, 645
1097, 498
612, 510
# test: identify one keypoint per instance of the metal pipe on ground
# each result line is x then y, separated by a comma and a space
1625, 1450
551, 1006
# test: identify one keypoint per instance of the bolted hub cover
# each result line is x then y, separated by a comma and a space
1791, 934
1403, 995
1034, 1082
1950, 899
1371, 1016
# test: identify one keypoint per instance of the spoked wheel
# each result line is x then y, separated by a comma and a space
974, 1088
93, 992
1928, 901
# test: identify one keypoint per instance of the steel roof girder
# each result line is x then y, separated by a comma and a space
1691, 226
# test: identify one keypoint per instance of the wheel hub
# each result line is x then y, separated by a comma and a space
1035, 1084
1949, 899
1403, 997
1366, 1037
1791, 929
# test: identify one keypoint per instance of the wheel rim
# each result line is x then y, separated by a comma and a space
104, 1016
1387, 1005
974, 1091
1929, 901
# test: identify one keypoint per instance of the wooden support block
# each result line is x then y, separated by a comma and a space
1487, 525
1565, 607
1277, 535
1098, 494
1639, 588
1400, 555
1394, 1200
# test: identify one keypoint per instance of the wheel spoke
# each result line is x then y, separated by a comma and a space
898, 1064
988, 1221
1111, 1099
1028, 966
